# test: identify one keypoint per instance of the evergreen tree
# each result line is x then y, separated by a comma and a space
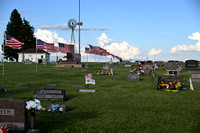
20, 30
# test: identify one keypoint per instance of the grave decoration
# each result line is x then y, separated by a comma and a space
88, 79
3, 90
57, 108
32, 107
171, 83
105, 70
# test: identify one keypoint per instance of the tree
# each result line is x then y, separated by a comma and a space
20, 30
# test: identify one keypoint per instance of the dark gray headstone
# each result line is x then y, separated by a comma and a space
52, 84
14, 114
133, 77
195, 76
23, 84
170, 78
79, 86
191, 65
49, 94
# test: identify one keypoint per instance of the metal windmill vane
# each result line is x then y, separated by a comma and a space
72, 23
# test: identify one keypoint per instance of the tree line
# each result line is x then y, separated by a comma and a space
23, 31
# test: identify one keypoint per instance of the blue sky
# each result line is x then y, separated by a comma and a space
131, 29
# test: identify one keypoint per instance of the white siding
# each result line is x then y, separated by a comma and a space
32, 56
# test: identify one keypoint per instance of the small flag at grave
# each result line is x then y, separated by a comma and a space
88, 75
89, 81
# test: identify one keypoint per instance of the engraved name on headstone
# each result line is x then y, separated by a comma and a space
50, 93
13, 114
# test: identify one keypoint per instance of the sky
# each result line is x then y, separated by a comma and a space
131, 29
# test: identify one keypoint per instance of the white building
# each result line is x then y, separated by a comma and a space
32, 55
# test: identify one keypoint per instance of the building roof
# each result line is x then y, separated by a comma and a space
33, 50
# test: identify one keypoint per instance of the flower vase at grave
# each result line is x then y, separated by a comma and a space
32, 121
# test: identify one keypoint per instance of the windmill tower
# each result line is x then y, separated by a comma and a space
72, 23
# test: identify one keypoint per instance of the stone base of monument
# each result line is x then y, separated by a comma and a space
133, 77
33, 131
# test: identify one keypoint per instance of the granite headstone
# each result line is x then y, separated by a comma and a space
13, 114
195, 76
191, 65
49, 94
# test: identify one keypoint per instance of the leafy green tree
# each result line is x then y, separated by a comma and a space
21, 30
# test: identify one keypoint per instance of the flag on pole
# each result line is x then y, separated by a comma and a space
89, 81
64, 48
13, 42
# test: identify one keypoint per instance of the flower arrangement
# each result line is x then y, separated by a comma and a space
4, 129
170, 86
32, 106
3, 90
58, 108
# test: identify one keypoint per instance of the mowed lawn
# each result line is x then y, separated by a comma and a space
118, 105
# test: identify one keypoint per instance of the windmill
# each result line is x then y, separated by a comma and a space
72, 23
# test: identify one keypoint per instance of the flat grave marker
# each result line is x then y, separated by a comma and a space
133, 77
49, 94
13, 114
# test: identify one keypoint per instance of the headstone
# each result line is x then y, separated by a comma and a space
13, 114
114, 65
49, 94
27, 61
87, 90
79, 86
191, 65
170, 78
133, 77
52, 84
23, 83
127, 65
195, 76
147, 67
160, 63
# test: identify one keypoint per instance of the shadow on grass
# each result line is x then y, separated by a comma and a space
71, 96
48, 124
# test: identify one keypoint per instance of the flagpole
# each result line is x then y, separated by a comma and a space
36, 54
3, 51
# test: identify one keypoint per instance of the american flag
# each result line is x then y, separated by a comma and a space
87, 50
88, 75
49, 47
13, 42
105, 67
64, 48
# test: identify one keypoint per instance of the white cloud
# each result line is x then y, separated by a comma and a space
65, 27
153, 52
188, 48
123, 49
49, 36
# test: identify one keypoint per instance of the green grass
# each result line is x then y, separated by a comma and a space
118, 105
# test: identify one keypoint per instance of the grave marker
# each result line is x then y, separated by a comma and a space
49, 94
13, 114
195, 76
191, 65
133, 77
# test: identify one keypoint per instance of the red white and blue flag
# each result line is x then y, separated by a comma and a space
13, 42
88, 75
64, 48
